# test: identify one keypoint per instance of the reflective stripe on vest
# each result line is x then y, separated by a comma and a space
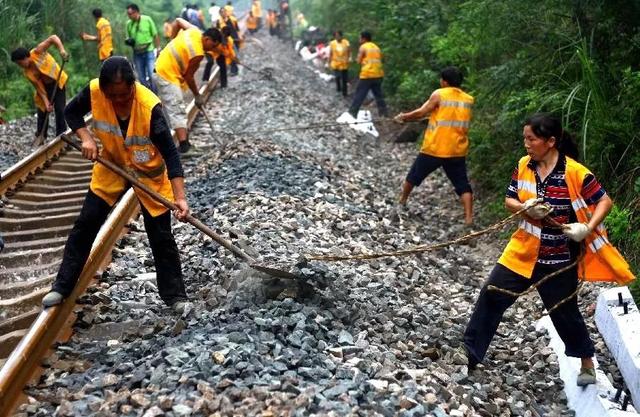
137, 141
446, 135
371, 62
135, 153
602, 262
530, 228
106, 127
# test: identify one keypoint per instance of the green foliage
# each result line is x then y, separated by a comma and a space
577, 59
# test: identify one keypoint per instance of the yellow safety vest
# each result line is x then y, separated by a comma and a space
372, 61
174, 59
105, 47
230, 54
256, 8
135, 153
446, 135
252, 22
602, 261
339, 54
47, 65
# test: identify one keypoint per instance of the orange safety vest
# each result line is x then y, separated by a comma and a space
339, 54
446, 135
372, 61
271, 20
230, 54
252, 22
256, 8
174, 59
135, 153
601, 262
105, 47
47, 65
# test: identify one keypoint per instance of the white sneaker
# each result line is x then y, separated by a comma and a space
52, 298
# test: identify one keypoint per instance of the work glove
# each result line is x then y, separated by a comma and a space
65, 56
576, 231
536, 209
398, 118
199, 100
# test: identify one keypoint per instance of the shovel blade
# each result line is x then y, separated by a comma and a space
273, 271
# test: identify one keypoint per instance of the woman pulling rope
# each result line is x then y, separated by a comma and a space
573, 197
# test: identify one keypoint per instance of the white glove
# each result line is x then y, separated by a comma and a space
536, 209
576, 231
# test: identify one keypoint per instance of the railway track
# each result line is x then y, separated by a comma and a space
42, 196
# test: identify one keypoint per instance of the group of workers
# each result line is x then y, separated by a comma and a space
561, 203
548, 186
133, 124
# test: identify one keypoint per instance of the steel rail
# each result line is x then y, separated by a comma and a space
55, 323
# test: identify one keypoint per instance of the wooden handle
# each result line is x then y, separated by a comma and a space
168, 204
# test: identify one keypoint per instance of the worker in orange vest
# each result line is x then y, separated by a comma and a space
175, 68
252, 23
549, 184
339, 58
48, 79
371, 75
103, 37
128, 120
256, 9
446, 141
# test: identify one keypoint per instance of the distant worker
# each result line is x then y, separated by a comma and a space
221, 54
229, 8
252, 23
256, 9
446, 140
129, 123
230, 54
214, 14
142, 35
175, 70
194, 16
339, 57
371, 75
42, 70
272, 22
103, 36
549, 184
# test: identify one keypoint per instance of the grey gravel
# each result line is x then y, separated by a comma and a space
362, 338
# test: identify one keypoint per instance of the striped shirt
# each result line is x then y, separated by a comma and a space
555, 247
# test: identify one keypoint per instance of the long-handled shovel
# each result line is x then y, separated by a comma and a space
39, 140
195, 222
206, 117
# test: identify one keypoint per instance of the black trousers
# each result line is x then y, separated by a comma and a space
491, 305
342, 78
364, 85
222, 64
163, 246
58, 108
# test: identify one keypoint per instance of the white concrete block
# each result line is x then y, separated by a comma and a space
593, 400
621, 333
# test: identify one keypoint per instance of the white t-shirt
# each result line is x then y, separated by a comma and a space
214, 14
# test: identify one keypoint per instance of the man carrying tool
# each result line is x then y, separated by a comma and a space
371, 75
175, 70
129, 122
446, 141
103, 37
49, 80
339, 57
142, 35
